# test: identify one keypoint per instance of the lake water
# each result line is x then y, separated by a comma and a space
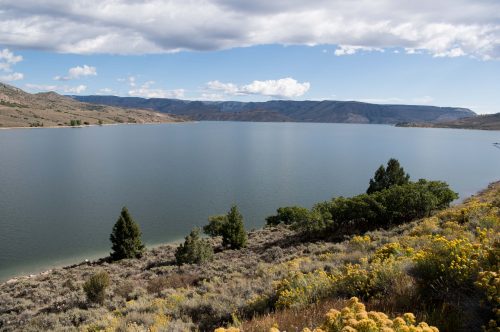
61, 190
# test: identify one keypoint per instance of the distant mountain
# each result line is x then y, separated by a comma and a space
21, 109
287, 110
484, 122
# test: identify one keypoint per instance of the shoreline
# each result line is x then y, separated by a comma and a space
95, 125
101, 257
95, 259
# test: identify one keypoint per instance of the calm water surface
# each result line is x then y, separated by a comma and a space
61, 190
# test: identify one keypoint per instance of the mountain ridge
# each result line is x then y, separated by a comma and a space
288, 110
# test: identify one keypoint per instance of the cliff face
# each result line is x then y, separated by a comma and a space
287, 110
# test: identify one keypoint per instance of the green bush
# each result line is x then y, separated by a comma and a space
395, 205
289, 215
230, 227
194, 250
95, 287
126, 238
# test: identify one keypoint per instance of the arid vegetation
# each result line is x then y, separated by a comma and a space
384, 261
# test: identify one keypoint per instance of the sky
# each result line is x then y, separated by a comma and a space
444, 53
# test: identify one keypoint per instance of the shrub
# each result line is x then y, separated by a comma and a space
354, 317
449, 263
216, 225
126, 238
301, 289
95, 287
395, 205
194, 250
230, 227
288, 215
392, 175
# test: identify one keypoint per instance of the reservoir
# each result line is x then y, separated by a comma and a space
61, 190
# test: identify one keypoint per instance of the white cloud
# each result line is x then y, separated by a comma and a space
352, 49
227, 88
440, 28
453, 53
77, 72
147, 91
7, 60
77, 89
12, 77
284, 87
57, 88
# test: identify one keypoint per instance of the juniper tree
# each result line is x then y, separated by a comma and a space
194, 250
392, 175
126, 237
230, 227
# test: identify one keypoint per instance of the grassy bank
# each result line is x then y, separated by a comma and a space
436, 267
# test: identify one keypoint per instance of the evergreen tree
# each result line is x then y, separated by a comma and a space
234, 235
126, 238
392, 175
194, 250
230, 227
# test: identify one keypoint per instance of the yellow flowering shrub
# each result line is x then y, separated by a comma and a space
228, 329
360, 242
303, 288
393, 249
452, 261
354, 317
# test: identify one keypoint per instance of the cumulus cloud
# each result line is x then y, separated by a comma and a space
440, 28
7, 60
146, 90
77, 72
284, 87
58, 88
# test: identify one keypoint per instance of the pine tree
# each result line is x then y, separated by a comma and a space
392, 175
234, 235
126, 238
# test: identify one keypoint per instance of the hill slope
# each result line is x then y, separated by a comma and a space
287, 110
483, 122
283, 279
21, 109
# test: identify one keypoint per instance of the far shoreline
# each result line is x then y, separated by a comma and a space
95, 125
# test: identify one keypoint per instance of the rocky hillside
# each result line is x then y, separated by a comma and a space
21, 109
287, 110
483, 122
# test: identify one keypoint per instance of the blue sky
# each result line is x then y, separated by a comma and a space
233, 50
